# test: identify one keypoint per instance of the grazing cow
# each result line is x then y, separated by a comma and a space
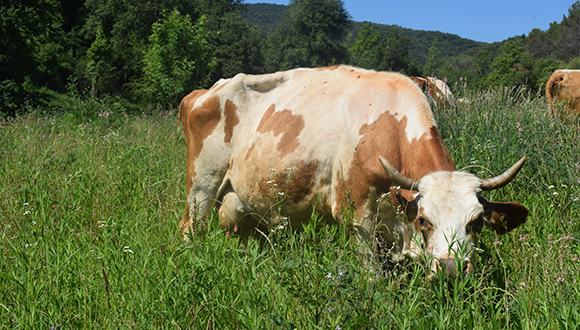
311, 139
563, 90
437, 90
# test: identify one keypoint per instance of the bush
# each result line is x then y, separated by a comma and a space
177, 60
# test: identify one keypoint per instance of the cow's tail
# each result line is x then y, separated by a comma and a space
181, 112
552, 89
555, 79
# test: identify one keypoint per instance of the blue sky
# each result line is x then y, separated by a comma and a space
487, 20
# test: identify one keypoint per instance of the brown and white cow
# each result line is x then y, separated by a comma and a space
311, 139
563, 92
436, 90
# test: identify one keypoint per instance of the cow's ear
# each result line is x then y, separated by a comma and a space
503, 217
408, 200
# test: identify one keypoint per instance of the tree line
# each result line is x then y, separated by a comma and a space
153, 52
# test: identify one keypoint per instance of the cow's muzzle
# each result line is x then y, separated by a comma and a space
449, 267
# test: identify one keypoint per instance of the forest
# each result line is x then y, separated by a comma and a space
137, 54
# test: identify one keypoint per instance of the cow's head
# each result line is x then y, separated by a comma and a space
447, 210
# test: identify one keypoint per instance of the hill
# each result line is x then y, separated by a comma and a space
266, 15
263, 15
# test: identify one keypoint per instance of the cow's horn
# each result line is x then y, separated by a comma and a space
396, 177
503, 179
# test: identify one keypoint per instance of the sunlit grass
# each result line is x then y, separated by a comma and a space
89, 214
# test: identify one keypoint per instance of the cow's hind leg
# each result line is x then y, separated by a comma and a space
201, 198
186, 222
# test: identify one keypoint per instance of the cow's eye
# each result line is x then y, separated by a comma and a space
422, 222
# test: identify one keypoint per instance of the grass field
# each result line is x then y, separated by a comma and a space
90, 203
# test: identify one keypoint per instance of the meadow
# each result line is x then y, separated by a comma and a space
91, 197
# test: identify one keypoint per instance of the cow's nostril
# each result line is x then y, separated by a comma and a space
448, 267
466, 268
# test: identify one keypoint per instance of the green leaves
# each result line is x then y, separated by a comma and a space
30, 50
177, 60
311, 34
367, 49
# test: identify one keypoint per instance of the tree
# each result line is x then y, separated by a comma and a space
457, 69
238, 48
177, 60
310, 34
539, 44
367, 49
396, 56
98, 68
507, 69
434, 61
125, 26
33, 51
568, 45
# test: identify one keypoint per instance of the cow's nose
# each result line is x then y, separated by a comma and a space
449, 267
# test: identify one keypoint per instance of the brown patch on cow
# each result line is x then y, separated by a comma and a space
285, 123
386, 137
296, 185
202, 122
301, 181
198, 125
420, 82
231, 120
327, 68
249, 153
187, 104
430, 88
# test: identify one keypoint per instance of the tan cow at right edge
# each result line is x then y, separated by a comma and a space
563, 93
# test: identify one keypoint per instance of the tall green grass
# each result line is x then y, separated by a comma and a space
89, 214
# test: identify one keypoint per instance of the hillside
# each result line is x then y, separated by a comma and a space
265, 17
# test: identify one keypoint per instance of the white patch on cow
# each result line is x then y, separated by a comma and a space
305, 69
222, 81
417, 121
210, 168
449, 201
567, 70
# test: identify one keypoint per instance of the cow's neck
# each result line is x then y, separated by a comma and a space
426, 155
